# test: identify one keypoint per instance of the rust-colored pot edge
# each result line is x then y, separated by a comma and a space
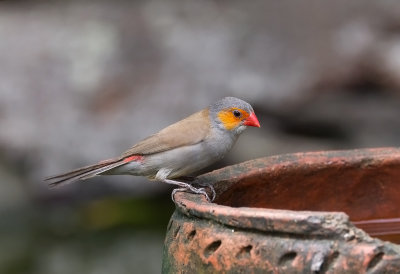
269, 220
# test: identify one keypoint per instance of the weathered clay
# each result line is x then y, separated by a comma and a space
280, 215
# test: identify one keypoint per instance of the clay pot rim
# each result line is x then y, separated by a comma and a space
267, 220
312, 223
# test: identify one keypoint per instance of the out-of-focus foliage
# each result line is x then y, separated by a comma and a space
103, 236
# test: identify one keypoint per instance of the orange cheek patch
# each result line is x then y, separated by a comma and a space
229, 120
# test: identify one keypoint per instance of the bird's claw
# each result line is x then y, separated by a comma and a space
185, 186
195, 190
175, 191
214, 194
203, 191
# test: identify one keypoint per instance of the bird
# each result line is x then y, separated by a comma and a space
178, 150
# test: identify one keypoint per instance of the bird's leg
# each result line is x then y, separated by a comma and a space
187, 186
162, 175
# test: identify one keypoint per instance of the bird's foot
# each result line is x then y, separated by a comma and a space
214, 194
198, 191
185, 186
192, 179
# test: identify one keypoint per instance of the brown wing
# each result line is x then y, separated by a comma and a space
188, 131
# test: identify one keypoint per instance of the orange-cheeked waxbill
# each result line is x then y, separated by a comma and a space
179, 149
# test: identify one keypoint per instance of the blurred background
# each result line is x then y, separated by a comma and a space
82, 81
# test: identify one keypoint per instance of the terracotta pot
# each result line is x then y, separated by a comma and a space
283, 214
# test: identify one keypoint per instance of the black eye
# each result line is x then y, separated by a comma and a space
237, 113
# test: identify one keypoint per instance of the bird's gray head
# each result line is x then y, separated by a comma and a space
233, 114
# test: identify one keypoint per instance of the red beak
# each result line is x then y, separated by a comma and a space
252, 121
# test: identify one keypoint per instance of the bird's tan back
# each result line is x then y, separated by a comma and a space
189, 131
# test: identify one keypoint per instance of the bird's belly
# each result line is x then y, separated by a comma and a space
181, 161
